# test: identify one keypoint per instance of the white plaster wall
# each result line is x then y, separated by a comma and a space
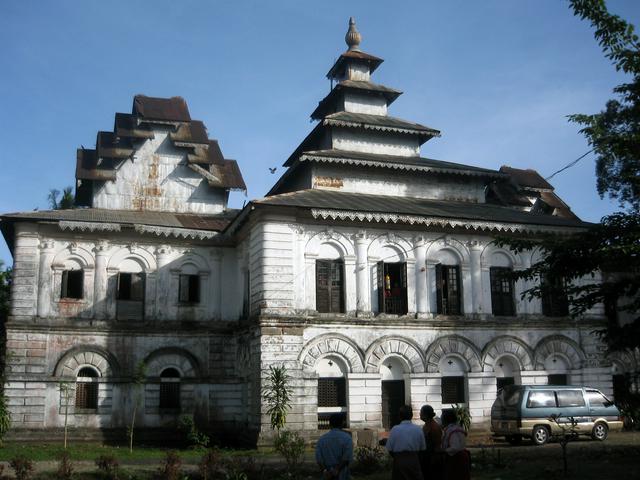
360, 103
398, 183
158, 179
375, 142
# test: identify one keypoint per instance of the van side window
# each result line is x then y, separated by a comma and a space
570, 398
541, 399
597, 399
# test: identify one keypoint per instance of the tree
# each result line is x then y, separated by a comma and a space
139, 377
277, 395
66, 201
609, 252
5, 291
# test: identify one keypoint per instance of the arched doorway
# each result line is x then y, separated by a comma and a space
507, 372
557, 368
392, 371
332, 389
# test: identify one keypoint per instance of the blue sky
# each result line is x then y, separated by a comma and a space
497, 77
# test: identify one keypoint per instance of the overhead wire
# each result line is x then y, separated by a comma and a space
568, 165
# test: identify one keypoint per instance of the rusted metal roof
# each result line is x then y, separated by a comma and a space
109, 145
214, 154
335, 200
190, 133
172, 109
87, 167
328, 104
126, 125
350, 56
229, 174
528, 178
129, 217
379, 122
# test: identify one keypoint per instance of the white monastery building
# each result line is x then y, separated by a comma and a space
367, 270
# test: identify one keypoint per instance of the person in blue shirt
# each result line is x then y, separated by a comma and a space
406, 444
334, 450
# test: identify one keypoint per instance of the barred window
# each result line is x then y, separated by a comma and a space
87, 389
332, 392
330, 286
502, 382
557, 379
554, 298
448, 289
501, 291
189, 289
453, 390
170, 389
72, 283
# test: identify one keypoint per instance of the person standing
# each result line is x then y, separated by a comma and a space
334, 450
431, 465
457, 465
406, 444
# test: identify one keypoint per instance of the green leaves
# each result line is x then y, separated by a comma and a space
277, 395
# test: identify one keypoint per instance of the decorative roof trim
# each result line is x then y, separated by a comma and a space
411, 131
88, 226
175, 232
394, 166
475, 225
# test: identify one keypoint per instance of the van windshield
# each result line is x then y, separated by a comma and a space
597, 399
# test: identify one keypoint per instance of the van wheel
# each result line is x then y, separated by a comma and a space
514, 439
600, 431
540, 435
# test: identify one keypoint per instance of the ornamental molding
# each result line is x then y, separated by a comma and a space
380, 128
88, 226
391, 165
186, 233
326, 214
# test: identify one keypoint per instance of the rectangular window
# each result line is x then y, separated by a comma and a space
170, 395
332, 392
448, 289
501, 292
570, 398
72, 284
329, 286
131, 286
554, 299
86, 395
392, 288
504, 381
189, 289
541, 399
453, 390
557, 379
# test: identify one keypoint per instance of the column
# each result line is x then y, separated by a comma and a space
422, 294
363, 304
100, 280
163, 253
45, 279
475, 267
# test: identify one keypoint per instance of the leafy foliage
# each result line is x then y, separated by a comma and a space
139, 377
5, 291
211, 464
22, 466
66, 201
170, 468
614, 133
369, 459
463, 415
277, 395
194, 437
291, 446
109, 466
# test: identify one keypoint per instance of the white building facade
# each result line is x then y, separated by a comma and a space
368, 271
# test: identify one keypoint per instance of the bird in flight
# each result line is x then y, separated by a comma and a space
272, 169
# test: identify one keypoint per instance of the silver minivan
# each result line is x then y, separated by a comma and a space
526, 411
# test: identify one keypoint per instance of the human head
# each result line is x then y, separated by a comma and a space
427, 413
405, 412
448, 416
336, 420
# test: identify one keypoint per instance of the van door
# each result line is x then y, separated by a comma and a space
571, 403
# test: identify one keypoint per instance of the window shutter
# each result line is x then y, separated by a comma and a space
380, 272
322, 286
453, 290
337, 287
64, 283
183, 289
439, 288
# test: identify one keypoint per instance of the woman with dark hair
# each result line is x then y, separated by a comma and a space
431, 465
456, 457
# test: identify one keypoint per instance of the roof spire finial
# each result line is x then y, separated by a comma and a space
353, 37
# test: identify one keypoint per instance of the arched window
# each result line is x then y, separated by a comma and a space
87, 389
332, 389
502, 301
453, 382
557, 368
507, 372
170, 389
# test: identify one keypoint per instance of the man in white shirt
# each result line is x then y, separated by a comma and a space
405, 444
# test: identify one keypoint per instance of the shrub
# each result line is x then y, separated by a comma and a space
22, 466
211, 465
244, 468
464, 416
170, 469
369, 459
65, 467
108, 465
194, 437
291, 446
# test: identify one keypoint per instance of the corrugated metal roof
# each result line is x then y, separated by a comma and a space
87, 167
229, 174
129, 217
328, 103
172, 109
334, 200
527, 178
351, 55
377, 159
193, 132
383, 121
